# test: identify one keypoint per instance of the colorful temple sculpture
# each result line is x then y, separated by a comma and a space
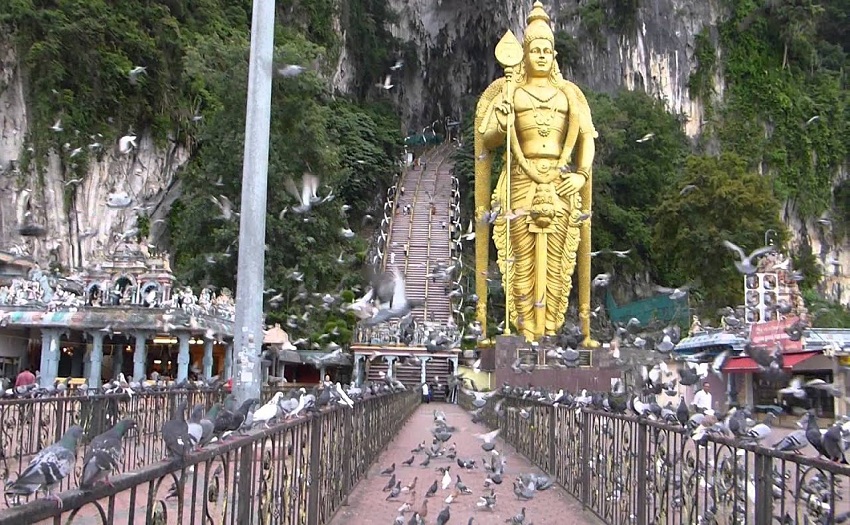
123, 314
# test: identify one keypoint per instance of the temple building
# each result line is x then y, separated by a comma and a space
123, 314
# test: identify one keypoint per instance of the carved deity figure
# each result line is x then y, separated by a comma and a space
543, 228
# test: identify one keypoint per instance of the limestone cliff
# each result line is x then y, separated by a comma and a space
74, 218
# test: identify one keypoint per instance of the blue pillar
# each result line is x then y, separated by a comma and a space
183, 357
423, 376
49, 367
228, 361
208, 358
358, 370
117, 361
140, 357
96, 359
390, 361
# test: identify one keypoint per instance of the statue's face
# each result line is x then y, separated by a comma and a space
540, 56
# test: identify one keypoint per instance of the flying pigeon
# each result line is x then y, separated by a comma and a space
745, 264
105, 454
49, 467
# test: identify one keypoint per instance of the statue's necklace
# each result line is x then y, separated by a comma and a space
543, 113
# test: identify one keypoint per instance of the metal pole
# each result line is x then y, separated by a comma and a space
248, 329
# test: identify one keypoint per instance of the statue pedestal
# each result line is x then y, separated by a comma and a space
506, 349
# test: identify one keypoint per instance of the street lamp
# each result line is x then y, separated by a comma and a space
248, 326
770, 237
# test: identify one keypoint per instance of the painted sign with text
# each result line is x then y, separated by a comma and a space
771, 333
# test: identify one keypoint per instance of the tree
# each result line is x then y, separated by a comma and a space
728, 203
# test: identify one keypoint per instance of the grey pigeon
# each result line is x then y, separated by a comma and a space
175, 433
105, 454
793, 442
49, 467
745, 263
443, 516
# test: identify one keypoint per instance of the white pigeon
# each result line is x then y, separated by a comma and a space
388, 83
307, 196
447, 479
118, 199
269, 411
344, 399
127, 143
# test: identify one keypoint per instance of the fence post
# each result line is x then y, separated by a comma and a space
763, 505
642, 451
246, 481
348, 454
552, 445
314, 470
585, 458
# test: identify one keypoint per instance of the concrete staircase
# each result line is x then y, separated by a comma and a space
418, 239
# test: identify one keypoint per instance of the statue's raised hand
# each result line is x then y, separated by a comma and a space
504, 108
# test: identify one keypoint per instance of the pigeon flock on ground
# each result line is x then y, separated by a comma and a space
444, 487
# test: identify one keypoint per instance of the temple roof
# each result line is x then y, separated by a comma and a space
119, 318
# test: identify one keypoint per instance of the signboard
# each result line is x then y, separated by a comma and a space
768, 334
585, 358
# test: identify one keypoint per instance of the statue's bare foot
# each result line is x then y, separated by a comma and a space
589, 343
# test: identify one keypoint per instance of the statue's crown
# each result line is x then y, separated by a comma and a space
538, 25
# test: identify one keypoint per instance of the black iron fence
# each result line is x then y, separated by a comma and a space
626, 469
299, 473
29, 425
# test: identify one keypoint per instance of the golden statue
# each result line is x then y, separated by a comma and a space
542, 204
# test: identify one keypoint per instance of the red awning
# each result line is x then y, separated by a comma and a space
746, 364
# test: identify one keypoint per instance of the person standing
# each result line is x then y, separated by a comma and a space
426, 393
25, 378
702, 399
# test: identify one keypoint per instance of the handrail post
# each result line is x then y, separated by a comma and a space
552, 445
246, 481
314, 469
764, 489
642, 434
347, 454
585, 459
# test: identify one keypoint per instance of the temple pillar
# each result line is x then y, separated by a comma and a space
49, 367
183, 357
228, 361
95, 359
208, 358
357, 380
390, 359
423, 376
322, 372
117, 361
140, 357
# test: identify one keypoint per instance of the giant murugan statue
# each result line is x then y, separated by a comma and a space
542, 198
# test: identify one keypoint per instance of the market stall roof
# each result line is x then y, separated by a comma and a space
708, 340
746, 364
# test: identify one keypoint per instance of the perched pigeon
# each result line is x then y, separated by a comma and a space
175, 433
105, 454
49, 467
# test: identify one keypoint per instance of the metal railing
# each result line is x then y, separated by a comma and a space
298, 472
29, 425
627, 469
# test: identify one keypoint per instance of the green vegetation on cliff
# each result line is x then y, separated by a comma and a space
77, 55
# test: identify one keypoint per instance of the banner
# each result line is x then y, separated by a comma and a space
768, 334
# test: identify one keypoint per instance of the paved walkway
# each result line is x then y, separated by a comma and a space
368, 505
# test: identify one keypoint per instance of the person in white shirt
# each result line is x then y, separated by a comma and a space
426, 393
702, 399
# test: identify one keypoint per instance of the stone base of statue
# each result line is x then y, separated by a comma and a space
507, 348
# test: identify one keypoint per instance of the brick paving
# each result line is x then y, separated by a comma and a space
368, 505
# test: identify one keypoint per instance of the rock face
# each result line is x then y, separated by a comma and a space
75, 216
453, 41
456, 40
